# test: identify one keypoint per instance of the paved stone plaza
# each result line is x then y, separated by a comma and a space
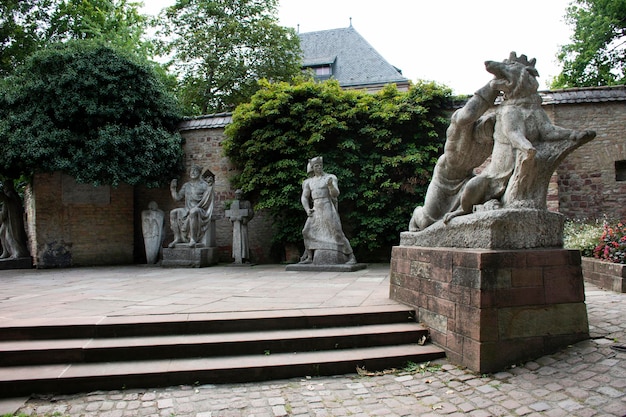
586, 379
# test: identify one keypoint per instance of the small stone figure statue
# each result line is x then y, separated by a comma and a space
190, 223
240, 213
13, 240
152, 229
324, 240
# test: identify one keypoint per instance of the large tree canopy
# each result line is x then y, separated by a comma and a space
29, 25
22, 30
92, 112
220, 48
597, 54
115, 22
381, 147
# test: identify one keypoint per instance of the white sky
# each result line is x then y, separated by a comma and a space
446, 41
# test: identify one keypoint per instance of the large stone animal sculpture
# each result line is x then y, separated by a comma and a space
527, 148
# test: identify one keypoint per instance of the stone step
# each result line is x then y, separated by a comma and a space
197, 323
108, 353
70, 378
31, 352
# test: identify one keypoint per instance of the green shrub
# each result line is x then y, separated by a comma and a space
382, 147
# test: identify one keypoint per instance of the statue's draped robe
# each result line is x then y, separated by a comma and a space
322, 229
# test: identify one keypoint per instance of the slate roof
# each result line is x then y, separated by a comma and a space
355, 62
584, 95
209, 121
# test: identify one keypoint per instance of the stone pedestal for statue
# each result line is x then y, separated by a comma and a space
327, 260
200, 256
490, 309
16, 263
186, 257
493, 229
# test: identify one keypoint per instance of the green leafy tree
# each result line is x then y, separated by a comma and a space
382, 148
221, 48
91, 111
115, 22
596, 55
22, 30
29, 25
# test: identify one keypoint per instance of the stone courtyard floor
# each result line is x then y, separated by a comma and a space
585, 379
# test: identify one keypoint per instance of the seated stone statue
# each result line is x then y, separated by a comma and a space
324, 240
191, 222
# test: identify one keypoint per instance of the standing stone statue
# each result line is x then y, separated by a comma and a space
152, 229
240, 213
13, 240
190, 223
324, 240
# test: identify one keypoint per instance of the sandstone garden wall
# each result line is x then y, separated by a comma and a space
73, 225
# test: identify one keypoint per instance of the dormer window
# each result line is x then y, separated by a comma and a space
323, 71
322, 67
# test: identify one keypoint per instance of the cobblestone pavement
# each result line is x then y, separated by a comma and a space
586, 379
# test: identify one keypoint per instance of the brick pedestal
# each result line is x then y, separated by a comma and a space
490, 309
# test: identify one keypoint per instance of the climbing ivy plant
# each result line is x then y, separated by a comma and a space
382, 148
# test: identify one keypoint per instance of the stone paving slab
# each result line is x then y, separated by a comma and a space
583, 380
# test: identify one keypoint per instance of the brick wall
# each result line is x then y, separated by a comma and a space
73, 224
587, 186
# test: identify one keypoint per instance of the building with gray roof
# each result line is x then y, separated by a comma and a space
344, 55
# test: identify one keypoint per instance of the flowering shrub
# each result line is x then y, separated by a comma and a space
612, 246
582, 235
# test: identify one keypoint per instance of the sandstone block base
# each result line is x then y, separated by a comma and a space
490, 309
181, 257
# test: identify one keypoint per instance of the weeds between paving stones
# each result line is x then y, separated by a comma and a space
410, 367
